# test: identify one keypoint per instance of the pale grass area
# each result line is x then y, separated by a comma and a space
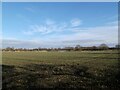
92, 59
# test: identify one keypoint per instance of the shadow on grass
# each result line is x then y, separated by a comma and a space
57, 76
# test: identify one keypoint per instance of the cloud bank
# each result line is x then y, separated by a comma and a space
63, 34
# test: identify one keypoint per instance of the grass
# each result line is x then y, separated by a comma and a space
84, 70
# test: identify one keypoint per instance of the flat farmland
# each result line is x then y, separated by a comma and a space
75, 69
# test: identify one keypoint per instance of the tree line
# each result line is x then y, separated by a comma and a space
76, 48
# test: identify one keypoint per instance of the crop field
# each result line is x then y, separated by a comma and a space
75, 69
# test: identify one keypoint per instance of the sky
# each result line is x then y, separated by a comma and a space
50, 24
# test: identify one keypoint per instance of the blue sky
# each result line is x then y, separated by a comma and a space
33, 25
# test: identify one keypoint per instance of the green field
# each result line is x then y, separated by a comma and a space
74, 69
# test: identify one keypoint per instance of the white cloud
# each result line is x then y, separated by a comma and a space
50, 22
87, 36
91, 35
48, 27
20, 43
30, 9
105, 34
76, 22
28, 32
113, 23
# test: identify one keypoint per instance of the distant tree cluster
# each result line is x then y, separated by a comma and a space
117, 46
76, 48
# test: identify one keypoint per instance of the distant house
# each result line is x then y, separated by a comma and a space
77, 47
